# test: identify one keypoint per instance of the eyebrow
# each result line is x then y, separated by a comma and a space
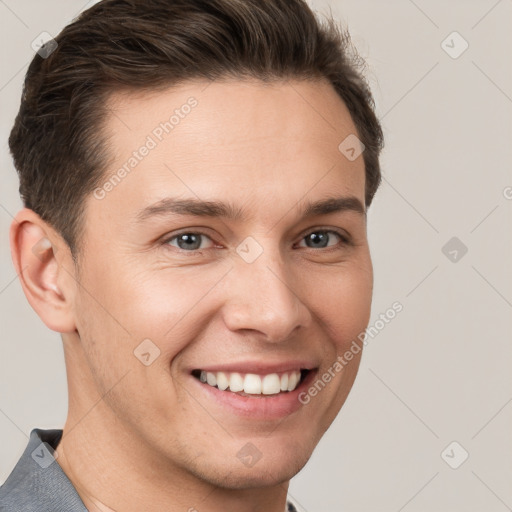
195, 207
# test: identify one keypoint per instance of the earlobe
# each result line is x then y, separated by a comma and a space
34, 247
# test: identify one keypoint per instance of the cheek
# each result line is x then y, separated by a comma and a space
169, 306
343, 303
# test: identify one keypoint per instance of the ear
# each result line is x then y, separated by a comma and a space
48, 282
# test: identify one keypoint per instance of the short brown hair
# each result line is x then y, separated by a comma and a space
56, 140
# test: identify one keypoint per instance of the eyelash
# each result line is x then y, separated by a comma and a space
345, 240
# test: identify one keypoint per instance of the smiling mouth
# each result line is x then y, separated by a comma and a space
251, 384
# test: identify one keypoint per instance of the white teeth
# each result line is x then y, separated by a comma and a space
236, 383
211, 379
222, 381
293, 380
251, 383
271, 384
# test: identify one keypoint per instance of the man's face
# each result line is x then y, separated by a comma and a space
269, 292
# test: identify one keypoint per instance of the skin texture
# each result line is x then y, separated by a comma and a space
149, 438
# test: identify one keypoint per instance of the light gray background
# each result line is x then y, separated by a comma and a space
440, 371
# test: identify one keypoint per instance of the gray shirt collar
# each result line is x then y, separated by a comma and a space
37, 482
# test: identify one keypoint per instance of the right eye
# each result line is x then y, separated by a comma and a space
189, 241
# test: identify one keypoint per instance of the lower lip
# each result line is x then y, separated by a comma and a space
262, 407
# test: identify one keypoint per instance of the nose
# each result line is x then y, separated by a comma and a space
264, 296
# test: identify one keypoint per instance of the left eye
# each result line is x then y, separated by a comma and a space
320, 239
188, 241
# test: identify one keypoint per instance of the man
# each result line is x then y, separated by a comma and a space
195, 177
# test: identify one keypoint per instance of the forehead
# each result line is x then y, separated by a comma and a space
254, 143
230, 111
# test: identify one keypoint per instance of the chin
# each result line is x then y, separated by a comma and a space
266, 472
261, 475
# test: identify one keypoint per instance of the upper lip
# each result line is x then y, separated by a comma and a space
259, 367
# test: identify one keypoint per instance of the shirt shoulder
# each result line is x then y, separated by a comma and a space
37, 483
